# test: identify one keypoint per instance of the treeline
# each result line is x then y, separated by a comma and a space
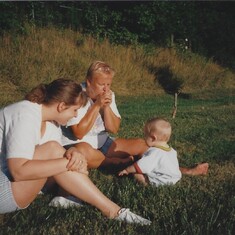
207, 28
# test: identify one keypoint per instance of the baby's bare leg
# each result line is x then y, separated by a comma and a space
199, 169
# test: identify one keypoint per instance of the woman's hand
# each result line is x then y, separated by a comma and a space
77, 161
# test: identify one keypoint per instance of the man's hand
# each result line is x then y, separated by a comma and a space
104, 99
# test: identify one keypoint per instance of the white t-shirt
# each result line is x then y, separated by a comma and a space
20, 125
52, 133
97, 136
160, 165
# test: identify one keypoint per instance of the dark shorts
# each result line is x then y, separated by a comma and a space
104, 149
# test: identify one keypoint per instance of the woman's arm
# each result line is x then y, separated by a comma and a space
23, 169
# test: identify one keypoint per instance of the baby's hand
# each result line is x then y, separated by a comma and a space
77, 161
123, 172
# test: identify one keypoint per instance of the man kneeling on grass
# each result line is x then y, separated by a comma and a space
159, 164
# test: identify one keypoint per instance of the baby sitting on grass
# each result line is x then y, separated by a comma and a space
159, 164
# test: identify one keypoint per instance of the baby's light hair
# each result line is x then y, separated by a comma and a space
99, 67
159, 126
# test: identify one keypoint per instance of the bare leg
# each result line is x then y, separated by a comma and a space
93, 156
96, 158
114, 165
26, 191
200, 169
122, 153
75, 183
123, 148
82, 187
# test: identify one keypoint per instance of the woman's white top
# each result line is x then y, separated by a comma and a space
20, 127
53, 133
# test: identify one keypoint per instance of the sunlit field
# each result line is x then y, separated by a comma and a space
203, 130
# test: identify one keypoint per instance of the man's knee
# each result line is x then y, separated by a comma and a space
84, 148
93, 156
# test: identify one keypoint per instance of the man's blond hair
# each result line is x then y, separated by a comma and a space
99, 67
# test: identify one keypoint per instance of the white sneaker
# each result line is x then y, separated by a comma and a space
67, 202
127, 216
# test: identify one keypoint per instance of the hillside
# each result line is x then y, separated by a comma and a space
44, 54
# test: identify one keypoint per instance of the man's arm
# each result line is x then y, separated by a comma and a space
111, 121
87, 122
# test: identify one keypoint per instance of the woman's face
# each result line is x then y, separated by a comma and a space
99, 84
66, 113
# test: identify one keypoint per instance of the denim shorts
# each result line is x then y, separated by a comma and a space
7, 201
107, 144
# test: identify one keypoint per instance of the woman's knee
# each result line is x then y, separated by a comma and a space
49, 150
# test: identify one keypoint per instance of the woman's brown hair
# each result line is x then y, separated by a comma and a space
59, 90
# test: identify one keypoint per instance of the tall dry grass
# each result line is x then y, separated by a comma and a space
44, 54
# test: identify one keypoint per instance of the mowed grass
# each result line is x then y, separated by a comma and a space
203, 130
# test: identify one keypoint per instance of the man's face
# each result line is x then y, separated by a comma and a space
99, 84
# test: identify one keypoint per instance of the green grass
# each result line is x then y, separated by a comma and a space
203, 130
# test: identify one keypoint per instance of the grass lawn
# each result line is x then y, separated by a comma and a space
203, 130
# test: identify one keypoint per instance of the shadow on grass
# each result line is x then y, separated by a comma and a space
185, 96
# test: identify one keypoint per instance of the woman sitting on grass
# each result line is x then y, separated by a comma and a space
25, 165
159, 164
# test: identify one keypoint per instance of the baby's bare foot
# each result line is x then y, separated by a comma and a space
200, 169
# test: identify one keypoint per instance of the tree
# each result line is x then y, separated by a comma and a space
171, 83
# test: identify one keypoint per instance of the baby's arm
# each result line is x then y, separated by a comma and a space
128, 170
